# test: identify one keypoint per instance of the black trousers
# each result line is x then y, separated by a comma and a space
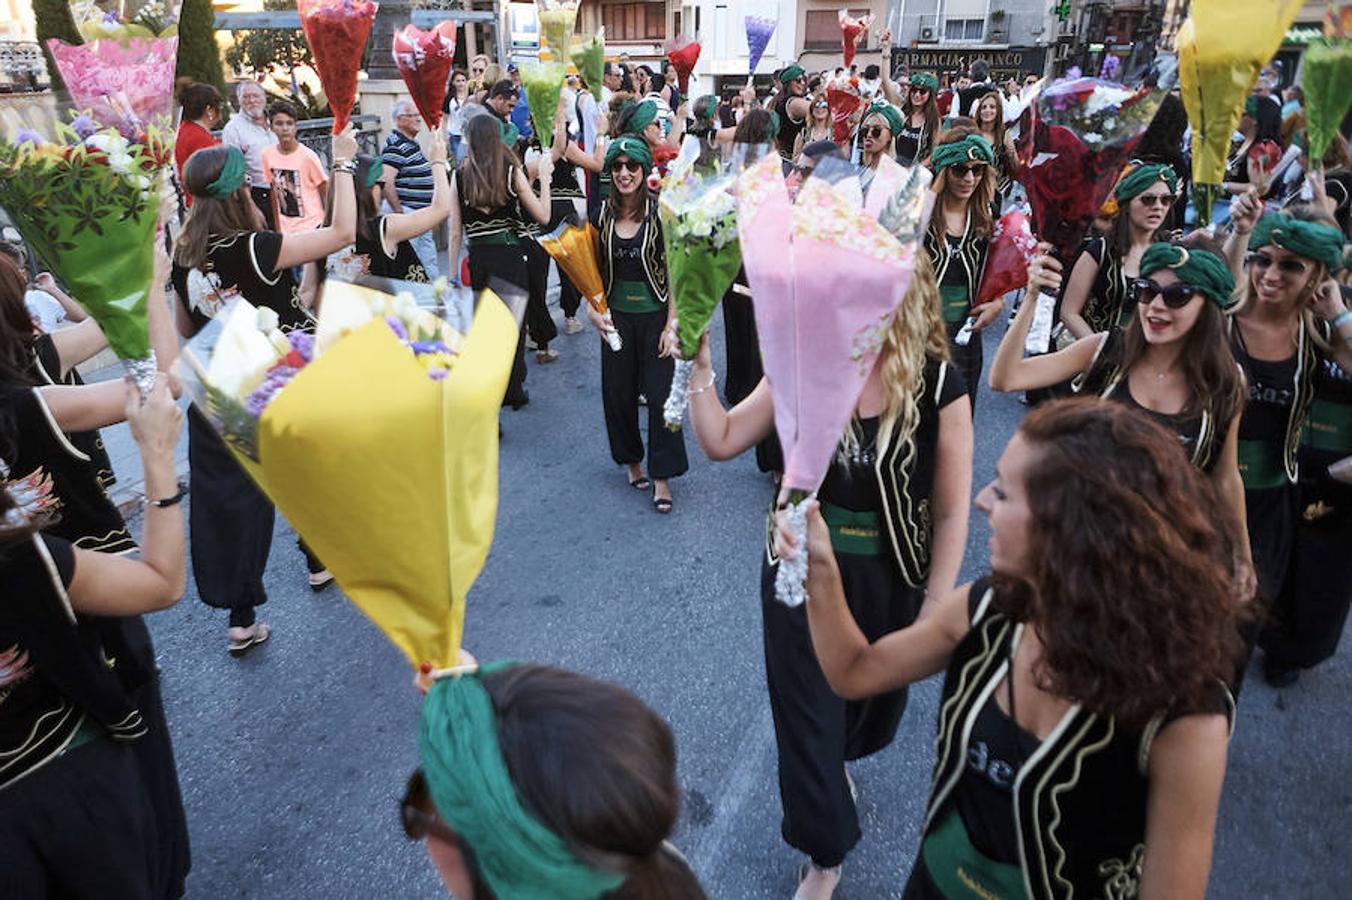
1310, 609
815, 730
636, 369
967, 360
509, 263
229, 526
262, 198
539, 323
745, 370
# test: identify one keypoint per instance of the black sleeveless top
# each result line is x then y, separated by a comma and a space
1106, 304
788, 129
501, 225
243, 265
90, 443
404, 265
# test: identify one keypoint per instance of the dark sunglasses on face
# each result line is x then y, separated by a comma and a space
1175, 296
1291, 268
872, 131
973, 169
1164, 200
412, 811
627, 165
920, 90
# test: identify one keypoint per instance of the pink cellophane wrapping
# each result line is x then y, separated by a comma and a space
113, 82
818, 341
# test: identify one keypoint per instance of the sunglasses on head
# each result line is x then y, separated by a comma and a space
413, 815
626, 164
973, 169
872, 131
1175, 296
1289, 267
1165, 200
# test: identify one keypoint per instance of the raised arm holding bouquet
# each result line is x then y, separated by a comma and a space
1222, 46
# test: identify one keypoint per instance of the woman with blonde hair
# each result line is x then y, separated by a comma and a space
895, 500
1292, 335
957, 241
818, 126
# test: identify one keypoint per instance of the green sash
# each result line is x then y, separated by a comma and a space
852, 531
1329, 427
1261, 465
496, 239
633, 297
960, 871
956, 303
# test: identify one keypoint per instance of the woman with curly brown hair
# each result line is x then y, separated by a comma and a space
1084, 716
957, 240
895, 501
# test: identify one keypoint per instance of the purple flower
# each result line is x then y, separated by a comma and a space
84, 126
1112, 68
303, 343
27, 136
397, 327
422, 347
438, 374
110, 18
262, 395
1074, 72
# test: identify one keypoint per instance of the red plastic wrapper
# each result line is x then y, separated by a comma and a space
683, 53
336, 31
850, 31
1012, 248
841, 104
424, 59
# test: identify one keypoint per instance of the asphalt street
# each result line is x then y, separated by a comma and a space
292, 759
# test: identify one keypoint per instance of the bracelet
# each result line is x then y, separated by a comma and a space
347, 168
713, 377
1342, 318
169, 501
342, 161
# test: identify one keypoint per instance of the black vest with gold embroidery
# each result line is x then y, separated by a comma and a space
654, 252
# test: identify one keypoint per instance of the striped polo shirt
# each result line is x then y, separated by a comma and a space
413, 173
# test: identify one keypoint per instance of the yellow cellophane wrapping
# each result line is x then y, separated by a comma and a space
574, 249
392, 478
1222, 46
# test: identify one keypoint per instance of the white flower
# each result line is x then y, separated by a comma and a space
267, 319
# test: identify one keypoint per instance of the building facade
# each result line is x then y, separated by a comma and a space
1016, 37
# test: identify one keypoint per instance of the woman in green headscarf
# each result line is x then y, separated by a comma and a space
1095, 296
634, 272
957, 241
1292, 335
498, 822
919, 103
878, 131
1171, 359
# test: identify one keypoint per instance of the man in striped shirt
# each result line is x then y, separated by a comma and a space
411, 186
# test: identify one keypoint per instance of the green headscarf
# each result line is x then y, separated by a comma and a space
1312, 240
926, 81
1141, 178
890, 114
973, 147
633, 147
373, 172
232, 175
773, 131
511, 135
517, 855
1201, 269
791, 73
645, 113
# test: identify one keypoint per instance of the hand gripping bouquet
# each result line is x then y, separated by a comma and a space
336, 31
424, 59
819, 340
573, 247
1082, 133
851, 32
590, 59
1327, 81
558, 20
85, 195
759, 30
1012, 248
699, 233
1222, 46
543, 83
683, 53
377, 438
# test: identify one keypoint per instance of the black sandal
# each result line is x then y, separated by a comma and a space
641, 483
662, 505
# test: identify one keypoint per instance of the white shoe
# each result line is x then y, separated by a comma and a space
572, 326
815, 883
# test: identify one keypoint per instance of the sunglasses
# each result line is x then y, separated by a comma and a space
973, 169
1289, 267
1175, 296
920, 90
627, 165
872, 131
413, 815
1164, 200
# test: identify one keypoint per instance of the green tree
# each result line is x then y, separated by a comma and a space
54, 21
198, 56
260, 50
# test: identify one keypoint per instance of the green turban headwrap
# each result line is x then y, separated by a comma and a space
972, 148
1312, 240
511, 135
925, 80
791, 73
232, 175
1140, 179
644, 114
473, 792
1201, 269
373, 172
633, 147
891, 115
